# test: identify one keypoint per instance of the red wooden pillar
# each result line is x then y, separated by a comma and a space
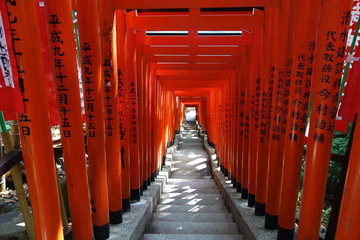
89, 32
349, 216
228, 130
157, 124
302, 64
271, 15
147, 124
162, 122
279, 113
225, 131
146, 75
153, 142
209, 117
240, 114
254, 139
246, 130
221, 129
34, 123
141, 115
329, 61
238, 138
255, 88
221, 156
212, 133
111, 99
64, 63
140, 112
231, 134
135, 174
123, 112
154, 125
223, 125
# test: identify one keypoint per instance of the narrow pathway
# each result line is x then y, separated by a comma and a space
191, 206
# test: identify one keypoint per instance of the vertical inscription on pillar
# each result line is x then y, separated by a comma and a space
89, 88
57, 43
24, 118
109, 115
133, 112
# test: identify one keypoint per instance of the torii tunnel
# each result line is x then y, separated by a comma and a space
264, 76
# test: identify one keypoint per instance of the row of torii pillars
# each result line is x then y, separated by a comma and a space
251, 93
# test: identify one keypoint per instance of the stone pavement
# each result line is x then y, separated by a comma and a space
191, 206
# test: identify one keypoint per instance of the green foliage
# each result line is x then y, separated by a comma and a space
340, 141
339, 145
299, 197
325, 216
302, 172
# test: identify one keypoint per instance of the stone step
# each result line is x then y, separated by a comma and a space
188, 149
191, 207
195, 209
178, 169
206, 183
194, 156
193, 217
191, 158
192, 227
188, 187
12, 226
192, 237
189, 170
209, 184
177, 180
190, 196
191, 202
185, 176
192, 190
187, 167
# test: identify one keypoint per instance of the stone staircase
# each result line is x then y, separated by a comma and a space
191, 206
